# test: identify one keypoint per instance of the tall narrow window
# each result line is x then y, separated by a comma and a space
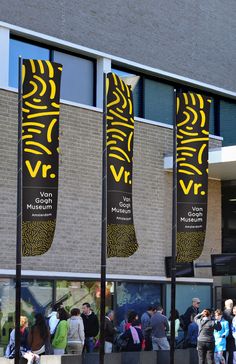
228, 192
212, 117
77, 82
228, 122
158, 101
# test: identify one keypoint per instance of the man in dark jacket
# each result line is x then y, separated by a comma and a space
228, 315
186, 317
110, 331
91, 327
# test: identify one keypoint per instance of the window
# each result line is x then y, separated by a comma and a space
154, 99
228, 190
78, 76
36, 296
136, 297
7, 311
227, 122
74, 294
158, 101
185, 293
212, 117
25, 50
77, 83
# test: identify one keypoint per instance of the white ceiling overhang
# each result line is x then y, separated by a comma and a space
222, 163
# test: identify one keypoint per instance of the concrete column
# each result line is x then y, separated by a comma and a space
4, 59
103, 65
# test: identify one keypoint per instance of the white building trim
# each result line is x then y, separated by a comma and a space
116, 277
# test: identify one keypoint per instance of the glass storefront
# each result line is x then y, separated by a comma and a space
38, 296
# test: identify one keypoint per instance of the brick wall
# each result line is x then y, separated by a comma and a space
76, 246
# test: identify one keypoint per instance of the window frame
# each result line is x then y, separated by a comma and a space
179, 87
51, 50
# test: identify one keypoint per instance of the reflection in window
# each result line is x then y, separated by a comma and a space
136, 84
25, 50
77, 83
7, 311
158, 101
74, 294
227, 122
137, 297
36, 296
185, 293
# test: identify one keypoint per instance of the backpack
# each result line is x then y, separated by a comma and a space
120, 343
47, 319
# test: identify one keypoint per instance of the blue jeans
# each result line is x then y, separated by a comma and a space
89, 344
160, 343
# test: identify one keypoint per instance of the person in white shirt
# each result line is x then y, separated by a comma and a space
53, 320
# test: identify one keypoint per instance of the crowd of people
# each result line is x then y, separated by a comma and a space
212, 332
57, 334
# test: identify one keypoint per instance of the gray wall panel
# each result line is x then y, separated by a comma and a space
192, 38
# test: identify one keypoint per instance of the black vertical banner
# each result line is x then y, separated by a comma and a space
192, 173
40, 143
121, 237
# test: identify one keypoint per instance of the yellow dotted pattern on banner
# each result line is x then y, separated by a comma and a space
189, 245
37, 236
121, 240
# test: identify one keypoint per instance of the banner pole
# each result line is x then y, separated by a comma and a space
174, 230
19, 219
104, 227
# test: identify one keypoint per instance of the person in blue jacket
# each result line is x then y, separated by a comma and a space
220, 337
